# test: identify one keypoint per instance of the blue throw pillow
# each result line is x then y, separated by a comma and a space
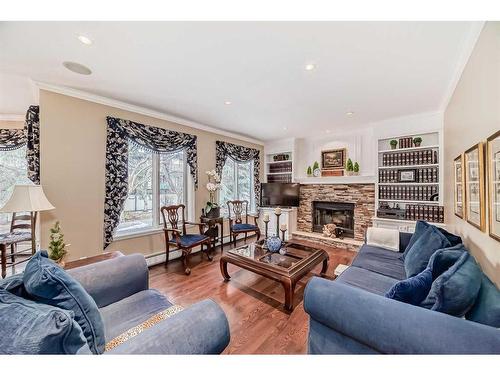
412, 290
48, 283
33, 328
455, 290
418, 256
15, 285
486, 309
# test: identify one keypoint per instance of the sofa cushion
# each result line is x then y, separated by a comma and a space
14, 284
486, 309
420, 229
377, 259
132, 311
383, 237
417, 257
370, 281
29, 327
455, 290
412, 290
48, 283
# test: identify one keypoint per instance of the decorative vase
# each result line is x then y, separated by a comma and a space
273, 244
393, 147
317, 172
213, 213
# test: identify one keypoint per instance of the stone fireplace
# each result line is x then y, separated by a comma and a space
358, 198
338, 213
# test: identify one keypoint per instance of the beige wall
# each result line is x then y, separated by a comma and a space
73, 145
472, 115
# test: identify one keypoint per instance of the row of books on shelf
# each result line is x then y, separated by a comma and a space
425, 212
422, 175
410, 158
409, 193
283, 178
406, 142
280, 168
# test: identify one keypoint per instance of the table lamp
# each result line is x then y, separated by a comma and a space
28, 198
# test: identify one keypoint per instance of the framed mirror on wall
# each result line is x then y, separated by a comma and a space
474, 186
459, 173
493, 170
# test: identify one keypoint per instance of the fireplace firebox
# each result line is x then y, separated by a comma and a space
339, 213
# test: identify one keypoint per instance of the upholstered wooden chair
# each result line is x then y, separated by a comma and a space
21, 223
179, 238
236, 225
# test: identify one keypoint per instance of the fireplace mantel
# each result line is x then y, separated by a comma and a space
336, 180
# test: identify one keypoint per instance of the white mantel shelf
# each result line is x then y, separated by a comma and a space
342, 180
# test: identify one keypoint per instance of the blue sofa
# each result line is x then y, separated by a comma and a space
120, 288
351, 315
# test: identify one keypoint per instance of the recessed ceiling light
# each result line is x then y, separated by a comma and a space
349, 113
310, 66
328, 130
285, 128
77, 68
227, 102
85, 40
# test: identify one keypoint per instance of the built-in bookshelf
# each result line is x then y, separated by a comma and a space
409, 181
279, 167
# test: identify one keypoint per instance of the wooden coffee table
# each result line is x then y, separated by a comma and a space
288, 269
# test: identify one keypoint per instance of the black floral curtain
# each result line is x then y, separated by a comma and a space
157, 140
12, 139
239, 153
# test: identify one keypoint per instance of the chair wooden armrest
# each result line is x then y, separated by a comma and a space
176, 233
255, 217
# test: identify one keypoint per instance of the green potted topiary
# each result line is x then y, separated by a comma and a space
316, 170
393, 144
309, 171
417, 141
356, 168
349, 167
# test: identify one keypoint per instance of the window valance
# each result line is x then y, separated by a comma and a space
157, 140
242, 154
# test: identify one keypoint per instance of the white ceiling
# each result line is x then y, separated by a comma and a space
378, 70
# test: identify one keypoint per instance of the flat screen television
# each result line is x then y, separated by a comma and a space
279, 194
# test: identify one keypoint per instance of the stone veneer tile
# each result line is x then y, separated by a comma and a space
362, 195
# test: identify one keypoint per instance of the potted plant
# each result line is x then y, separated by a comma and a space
356, 168
393, 144
57, 247
212, 209
309, 171
316, 170
417, 141
349, 167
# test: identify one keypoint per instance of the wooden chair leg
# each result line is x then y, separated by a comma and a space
12, 251
209, 250
258, 234
234, 240
246, 234
185, 262
167, 253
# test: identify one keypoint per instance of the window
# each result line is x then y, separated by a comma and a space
154, 180
13, 171
237, 183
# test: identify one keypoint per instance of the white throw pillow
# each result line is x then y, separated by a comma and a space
382, 237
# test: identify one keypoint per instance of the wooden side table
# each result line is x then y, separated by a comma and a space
213, 230
9, 239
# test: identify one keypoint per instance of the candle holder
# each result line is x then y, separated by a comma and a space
266, 223
277, 223
283, 231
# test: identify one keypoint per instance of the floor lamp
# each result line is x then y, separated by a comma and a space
28, 198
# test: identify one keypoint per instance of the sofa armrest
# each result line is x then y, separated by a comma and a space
360, 319
199, 329
114, 279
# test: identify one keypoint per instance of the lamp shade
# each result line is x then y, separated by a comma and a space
27, 198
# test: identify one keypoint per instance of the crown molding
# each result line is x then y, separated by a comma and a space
140, 110
10, 117
467, 48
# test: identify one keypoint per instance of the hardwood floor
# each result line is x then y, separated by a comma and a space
258, 322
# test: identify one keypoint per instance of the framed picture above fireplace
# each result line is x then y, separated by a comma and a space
333, 159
